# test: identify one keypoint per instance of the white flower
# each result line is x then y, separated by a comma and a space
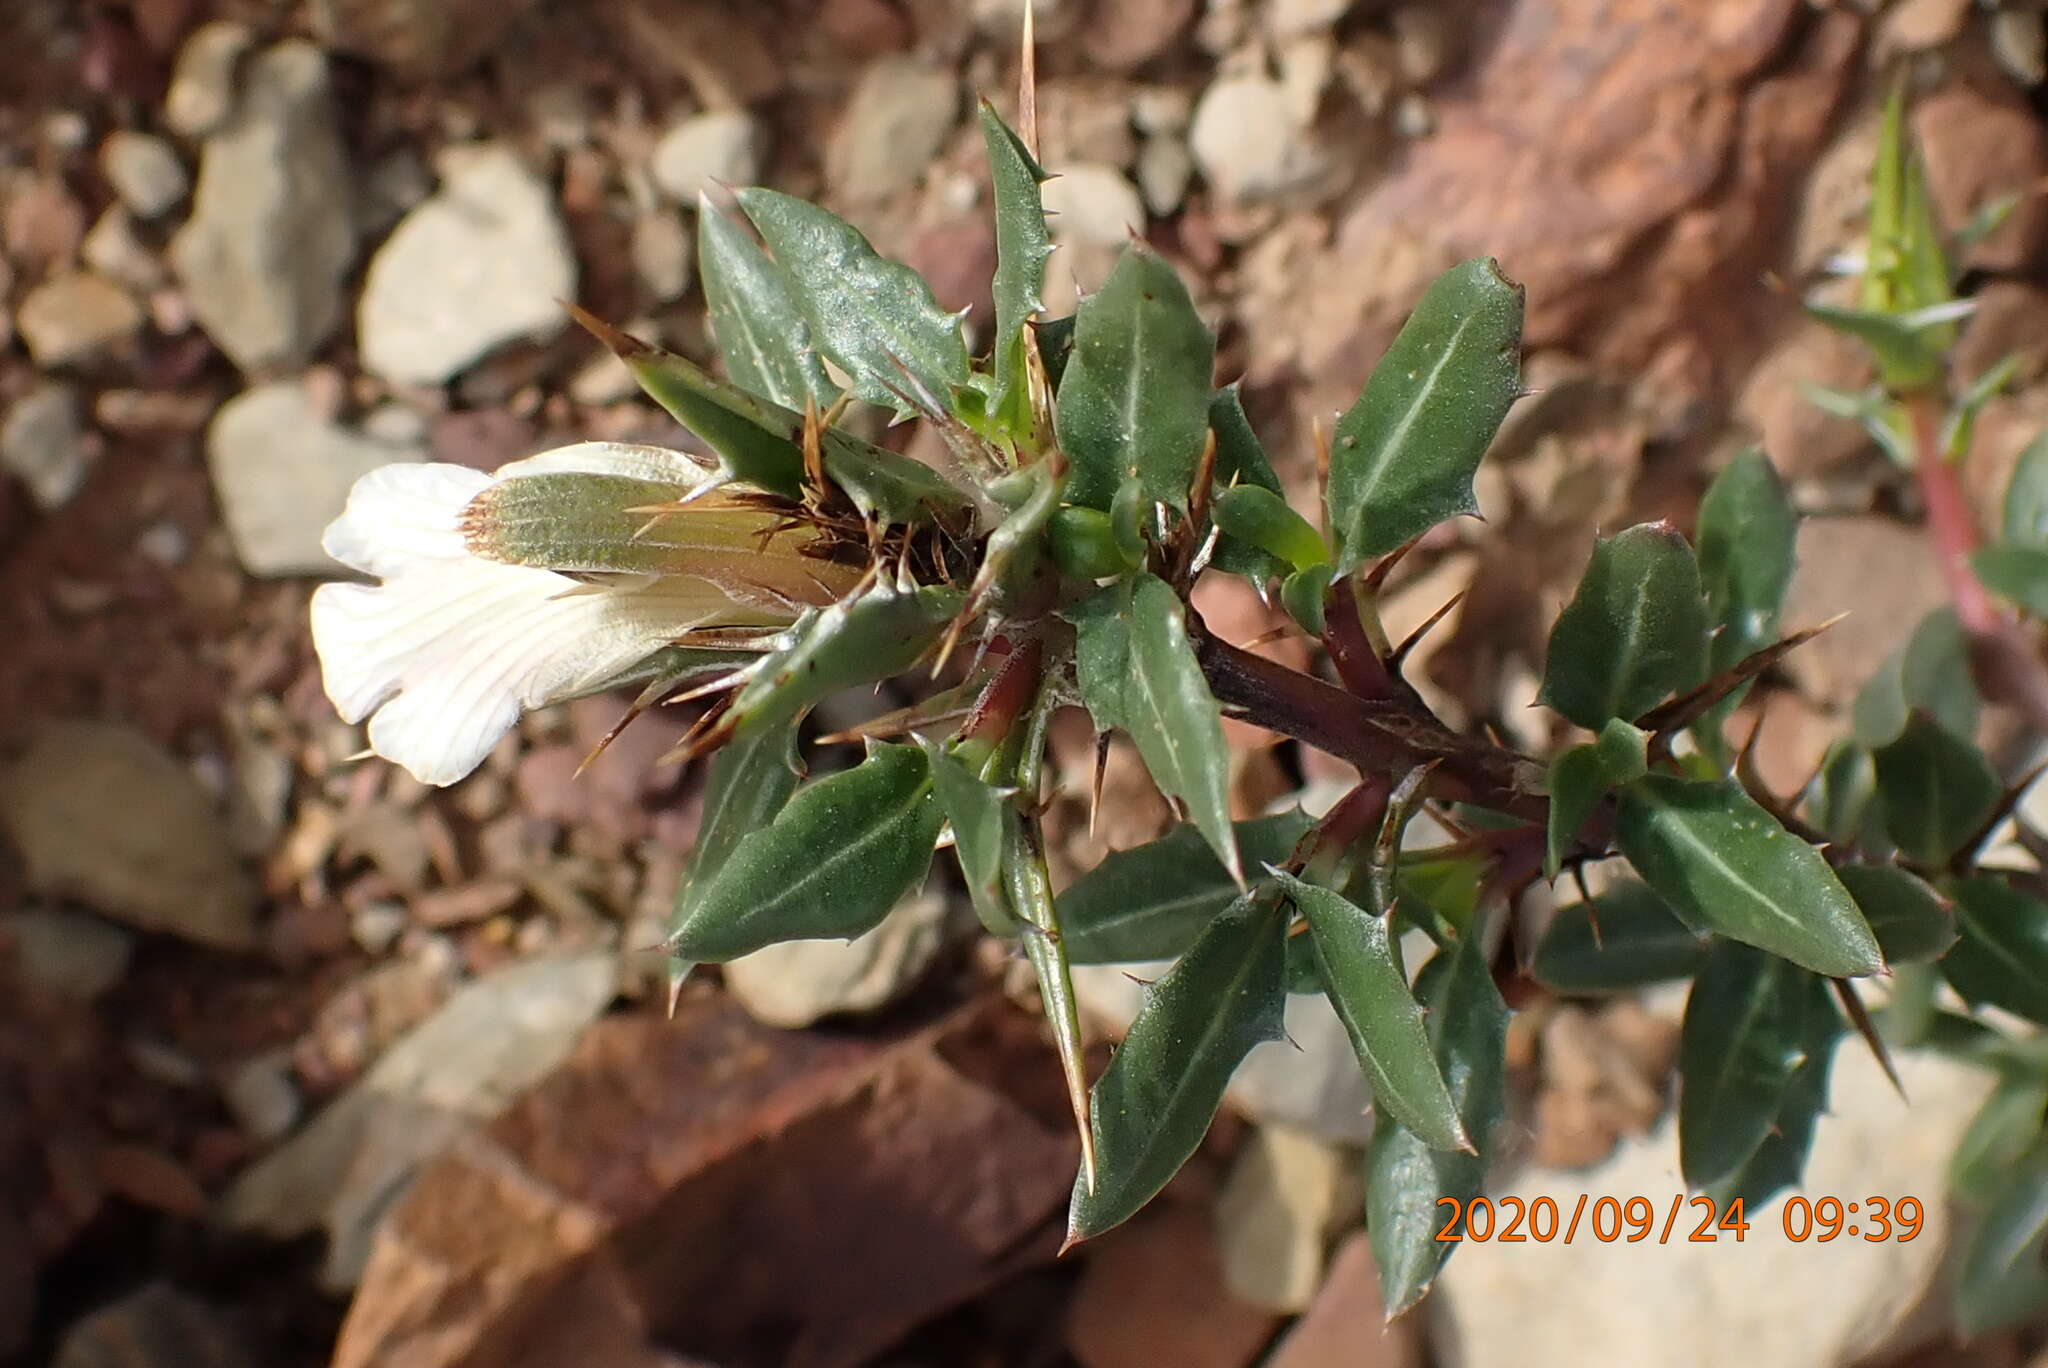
445, 653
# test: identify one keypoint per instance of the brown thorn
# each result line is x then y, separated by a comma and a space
1409, 643
604, 742
813, 449
1095, 784
1027, 84
622, 343
1859, 1017
1376, 577
1586, 896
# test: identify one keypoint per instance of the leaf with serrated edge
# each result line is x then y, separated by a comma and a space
868, 313
751, 779
1934, 790
1022, 245
1154, 1103
2001, 952
1747, 535
1134, 401
1174, 719
1634, 633
1151, 902
1744, 1037
1371, 996
856, 641
761, 332
1402, 458
1639, 941
1720, 860
1405, 1178
843, 852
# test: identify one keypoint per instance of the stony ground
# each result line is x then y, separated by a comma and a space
257, 992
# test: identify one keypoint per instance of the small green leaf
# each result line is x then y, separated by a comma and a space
1839, 799
761, 332
843, 852
975, 810
1085, 545
2004, 1129
1745, 1036
1240, 461
1406, 1178
1102, 652
2002, 1276
1931, 672
1261, 518
856, 641
1153, 901
1904, 268
1935, 790
2001, 952
1907, 347
1780, 1161
1302, 594
1134, 402
1022, 245
2026, 498
1371, 996
875, 317
888, 487
750, 781
1634, 633
1153, 1104
1909, 919
1747, 532
1721, 861
2019, 573
1639, 941
1582, 776
1403, 456
751, 436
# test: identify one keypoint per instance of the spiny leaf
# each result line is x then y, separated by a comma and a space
1747, 536
750, 781
1745, 1036
975, 810
1022, 245
1404, 455
1241, 461
761, 332
1910, 920
2001, 953
1779, 1160
1153, 1104
1934, 789
856, 641
1581, 777
1634, 633
1371, 996
1639, 940
1134, 401
1720, 860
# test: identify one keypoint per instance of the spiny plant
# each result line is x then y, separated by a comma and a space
1093, 472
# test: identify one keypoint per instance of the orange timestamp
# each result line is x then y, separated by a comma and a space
1696, 1220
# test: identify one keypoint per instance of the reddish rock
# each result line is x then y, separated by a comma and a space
715, 1187
1154, 1294
1346, 1325
1982, 142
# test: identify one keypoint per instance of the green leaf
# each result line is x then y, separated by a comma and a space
888, 487
874, 317
1153, 901
1261, 518
1634, 633
2026, 498
2002, 1276
1904, 268
1747, 532
2001, 952
761, 332
1153, 1104
1839, 799
1780, 1160
975, 810
1022, 245
2019, 573
1134, 402
1639, 941
1302, 594
1909, 919
2004, 1129
1907, 347
843, 852
1371, 996
752, 437
1720, 860
1746, 1034
1137, 673
1582, 776
1935, 790
750, 781
1241, 461
1403, 456
1405, 1178
1085, 545
856, 641
1930, 672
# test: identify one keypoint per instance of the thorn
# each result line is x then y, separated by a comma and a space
813, 447
604, 742
1592, 903
622, 343
1852, 1004
1384, 566
1409, 643
1095, 786
678, 973
1027, 88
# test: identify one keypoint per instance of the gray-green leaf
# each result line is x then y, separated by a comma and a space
1022, 245
1153, 901
1745, 1036
1634, 633
2001, 951
1934, 790
1911, 921
761, 332
1640, 941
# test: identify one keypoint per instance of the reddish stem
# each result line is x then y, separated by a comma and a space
1949, 521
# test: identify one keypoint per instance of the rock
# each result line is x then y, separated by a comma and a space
282, 470
1292, 18
41, 222
272, 233
493, 1040
69, 952
662, 257
113, 249
202, 88
42, 443
100, 813
1288, 1193
1883, 574
1981, 142
1126, 35
603, 380
900, 114
262, 1096
1165, 167
719, 145
1346, 1325
728, 1191
2011, 318
1093, 205
1802, 440
1762, 1300
1247, 141
1916, 25
2019, 42
418, 38
77, 319
144, 171
156, 1327
798, 982
1152, 1292
1310, 1080
482, 262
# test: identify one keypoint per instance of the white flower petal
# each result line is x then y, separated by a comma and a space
400, 517
442, 661
611, 458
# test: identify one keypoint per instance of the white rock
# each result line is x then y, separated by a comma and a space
1093, 205
1288, 1193
1292, 18
487, 1044
77, 319
603, 380
272, 233
282, 471
798, 982
1164, 168
896, 122
69, 952
1161, 110
662, 255
113, 249
42, 443
1248, 142
261, 1094
144, 171
102, 814
1765, 1300
202, 87
722, 145
2020, 43
482, 262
